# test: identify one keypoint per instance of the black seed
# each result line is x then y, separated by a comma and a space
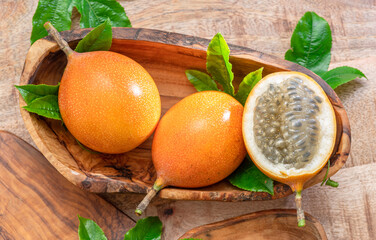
308, 90
313, 127
314, 106
293, 82
306, 154
318, 99
300, 142
297, 98
289, 114
312, 121
297, 123
301, 149
311, 111
296, 137
292, 130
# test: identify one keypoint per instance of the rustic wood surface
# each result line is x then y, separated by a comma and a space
262, 225
39, 203
347, 212
156, 51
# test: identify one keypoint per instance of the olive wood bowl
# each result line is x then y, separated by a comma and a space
277, 224
165, 56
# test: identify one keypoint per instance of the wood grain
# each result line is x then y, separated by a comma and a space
346, 212
39, 203
275, 224
264, 25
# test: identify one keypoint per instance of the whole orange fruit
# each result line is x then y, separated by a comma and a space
198, 142
108, 101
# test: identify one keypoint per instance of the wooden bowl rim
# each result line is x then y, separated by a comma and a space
250, 216
41, 48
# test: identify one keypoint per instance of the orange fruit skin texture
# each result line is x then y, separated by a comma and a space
108, 101
199, 141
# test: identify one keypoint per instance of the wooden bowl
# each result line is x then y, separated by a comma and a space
165, 56
278, 224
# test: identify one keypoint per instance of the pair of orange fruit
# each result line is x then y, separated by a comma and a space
111, 104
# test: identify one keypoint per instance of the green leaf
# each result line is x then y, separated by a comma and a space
249, 177
149, 228
31, 92
95, 12
99, 39
218, 64
247, 84
311, 43
57, 12
341, 75
201, 81
46, 106
89, 230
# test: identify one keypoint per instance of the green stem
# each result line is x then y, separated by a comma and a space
60, 41
326, 174
332, 183
299, 209
145, 202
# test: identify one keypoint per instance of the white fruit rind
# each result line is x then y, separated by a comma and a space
326, 119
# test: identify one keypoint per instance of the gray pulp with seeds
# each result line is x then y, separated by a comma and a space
285, 123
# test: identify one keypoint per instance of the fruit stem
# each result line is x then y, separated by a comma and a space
60, 41
299, 209
151, 194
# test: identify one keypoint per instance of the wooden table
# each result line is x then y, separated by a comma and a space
347, 212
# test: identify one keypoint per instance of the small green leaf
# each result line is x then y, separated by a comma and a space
311, 43
149, 228
46, 106
31, 92
95, 12
89, 230
218, 64
341, 75
201, 81
249, 177
247, 84
57, 12
99, 39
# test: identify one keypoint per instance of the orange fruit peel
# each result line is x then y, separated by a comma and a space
108, 102
197, 143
